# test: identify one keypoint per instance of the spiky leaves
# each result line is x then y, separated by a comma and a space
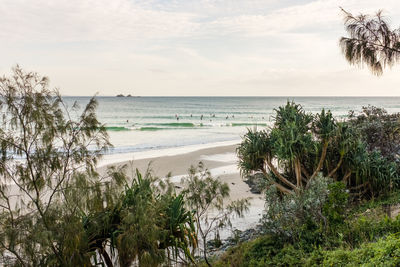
370, 41
300, 145
142, 224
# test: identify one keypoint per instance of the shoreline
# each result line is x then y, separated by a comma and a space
109, 159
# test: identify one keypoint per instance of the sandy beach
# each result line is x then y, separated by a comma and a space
222, 163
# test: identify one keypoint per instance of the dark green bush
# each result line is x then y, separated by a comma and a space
365, 229
384, 252
336, 202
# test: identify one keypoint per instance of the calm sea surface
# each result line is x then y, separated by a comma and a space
151, 123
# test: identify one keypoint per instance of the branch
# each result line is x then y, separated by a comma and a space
277, 174
321, 160
331, 173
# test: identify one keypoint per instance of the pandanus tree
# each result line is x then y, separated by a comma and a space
143, 225
370, 41
281, 154
300, 145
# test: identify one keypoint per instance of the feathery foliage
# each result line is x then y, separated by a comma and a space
56, 210
43, 150
370, 41
207, 196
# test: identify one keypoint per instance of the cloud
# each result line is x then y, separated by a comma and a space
317, 16
92, 20
187, 46
103, 20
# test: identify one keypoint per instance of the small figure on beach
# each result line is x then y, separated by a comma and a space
201, 117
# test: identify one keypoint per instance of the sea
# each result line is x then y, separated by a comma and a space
156, 124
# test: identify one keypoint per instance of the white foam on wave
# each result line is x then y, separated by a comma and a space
121, 157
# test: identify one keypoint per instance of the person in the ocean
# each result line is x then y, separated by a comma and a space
201, 117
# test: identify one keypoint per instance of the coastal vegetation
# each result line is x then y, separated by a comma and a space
205, 194
57, 210
370, 41
331, 191
331, 186
344, 215
300, 145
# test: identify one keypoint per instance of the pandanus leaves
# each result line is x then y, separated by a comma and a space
253, 151
300, 145
181, 229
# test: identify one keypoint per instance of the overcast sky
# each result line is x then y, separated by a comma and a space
190, 47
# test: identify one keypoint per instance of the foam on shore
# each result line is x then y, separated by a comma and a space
122, 157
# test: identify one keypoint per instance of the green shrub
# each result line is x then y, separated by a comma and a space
261, 251
384, 252
336, 202
364, 229
233, 256
305, 217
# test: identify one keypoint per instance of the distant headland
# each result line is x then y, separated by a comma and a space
121, 95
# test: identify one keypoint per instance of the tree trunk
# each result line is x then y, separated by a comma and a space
205, 251
106, 258
297, 170
279, 186
321, 160
280, 177
331, 173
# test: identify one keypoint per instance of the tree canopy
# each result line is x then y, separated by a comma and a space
299, 145
57, 210
370, 41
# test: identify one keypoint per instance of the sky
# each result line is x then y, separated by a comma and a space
191, 47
